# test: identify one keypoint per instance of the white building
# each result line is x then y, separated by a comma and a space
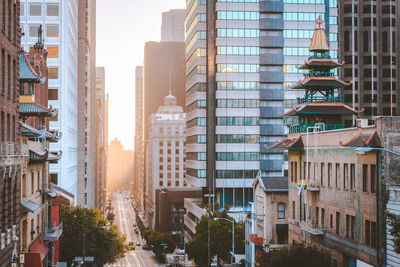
173, 26
165, 155
60, 27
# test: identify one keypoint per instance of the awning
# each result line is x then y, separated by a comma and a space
30, 206
36, 254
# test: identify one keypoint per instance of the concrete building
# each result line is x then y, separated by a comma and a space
139, 164
60, 27
222, 98
369, 46
11, 158
87, 190
101, 139
119, 167
165, 153
173, 26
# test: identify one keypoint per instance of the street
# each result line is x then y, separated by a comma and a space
125, 218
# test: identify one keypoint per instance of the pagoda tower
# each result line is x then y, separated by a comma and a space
319, 109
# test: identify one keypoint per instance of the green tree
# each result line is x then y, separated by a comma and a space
221, 239
106, 245
297, 255
394, 229
110, 217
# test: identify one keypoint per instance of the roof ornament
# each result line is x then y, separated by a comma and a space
39, 43
319, 21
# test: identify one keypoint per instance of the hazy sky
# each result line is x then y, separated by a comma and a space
123, 26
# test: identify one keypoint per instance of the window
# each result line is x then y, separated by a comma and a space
32, 183
33, 30
345, 176
52, 52
365, 177
322, 217
373, 178
52, 31
331, 221
38, 180
52, 10
329, 174
350, 226
53, 73
23, 189
291, 171
293, 210
53, 94
22, 10
35, 9
338, 223
365, 41
317, 216
352, 177
54, 178
322, 174
281, 211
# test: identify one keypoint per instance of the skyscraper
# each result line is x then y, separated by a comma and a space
369, 48
222, 97
173, 26
139, 164
59, 33
87, 129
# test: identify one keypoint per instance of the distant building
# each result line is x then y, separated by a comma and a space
87, 191
173, 26
101, 139
11, 158
165, 153
119, 167
60, 36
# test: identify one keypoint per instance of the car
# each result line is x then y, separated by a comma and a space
130, 244
134, 224
138, 243
146, 247
136, 231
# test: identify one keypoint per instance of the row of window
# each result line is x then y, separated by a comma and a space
367, 42
238, 121
196, 139
239, 1
170, 143
305, 34
196, 122
50, 30
7, 127
238, 103
9, 20
238, 138
8, 66
238, 15
201, 17
196, 156
169, 183
247, 33
322, 174
238, 50
36, 10
196, 173
200, 35
238, 156
242, 68
236, 174
302, 16
33, 186
239, 86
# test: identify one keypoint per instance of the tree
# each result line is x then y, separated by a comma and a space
394, 229
297, 255
106, 245
221, 239
110, 217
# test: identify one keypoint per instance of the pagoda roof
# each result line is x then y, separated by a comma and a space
287, 143
34, 109
323, 63
363, 140
29, 131
38, 154
26, 71
320, 81
321, 109
54, 157
319, 41
53, 136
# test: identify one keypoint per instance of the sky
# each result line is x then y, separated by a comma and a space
122, 28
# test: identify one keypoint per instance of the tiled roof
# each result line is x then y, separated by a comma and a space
363, 140
37, 155
274, 183
321, 108
325, 63
54, 156
320, 81
25, 69
35, 109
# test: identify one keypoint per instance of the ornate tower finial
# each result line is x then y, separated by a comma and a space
319, 21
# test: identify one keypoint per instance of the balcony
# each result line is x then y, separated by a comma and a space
53, 233
312, 228
302, 128
9, 149
319, 74
319, 99
191, 225
313, 186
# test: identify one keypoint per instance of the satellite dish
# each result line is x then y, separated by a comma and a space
42, 80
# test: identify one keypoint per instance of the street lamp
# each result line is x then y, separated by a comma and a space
233, 237
363, 150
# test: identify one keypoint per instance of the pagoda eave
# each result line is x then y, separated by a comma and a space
321, 82
326, 63
322, 109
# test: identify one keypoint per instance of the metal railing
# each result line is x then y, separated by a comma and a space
302, 128
319, 99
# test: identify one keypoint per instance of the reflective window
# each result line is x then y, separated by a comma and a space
238, 50
238, 15
240, 86
52, 52
238, 156
33, 30
302, 16
238, 103
52, 10
238, 121
238, 68
232, 32
52, 30
35, 9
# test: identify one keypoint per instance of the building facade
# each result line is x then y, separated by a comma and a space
60, 28
11, 158
101, 139
139, 164
369, 47
87, 182
173, 26
165, 154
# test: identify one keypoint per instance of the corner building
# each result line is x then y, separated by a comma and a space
222, 97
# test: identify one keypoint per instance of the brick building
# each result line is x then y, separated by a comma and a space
10, 152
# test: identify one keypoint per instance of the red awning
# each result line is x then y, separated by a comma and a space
255, 239
37, 252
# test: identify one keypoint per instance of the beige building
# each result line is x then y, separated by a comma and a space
119, 167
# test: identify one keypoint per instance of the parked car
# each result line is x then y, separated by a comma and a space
136, 231
134, 224
138, 243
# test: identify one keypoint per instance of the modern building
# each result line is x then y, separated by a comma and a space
101, 139
139, 164
35, 138
11, 158
119, 167
222, 98
165, 153
60, 28
369, 46
87, 183
173, 26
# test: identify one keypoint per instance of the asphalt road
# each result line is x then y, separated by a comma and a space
125, 218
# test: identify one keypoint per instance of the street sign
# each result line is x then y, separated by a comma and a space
87, 259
